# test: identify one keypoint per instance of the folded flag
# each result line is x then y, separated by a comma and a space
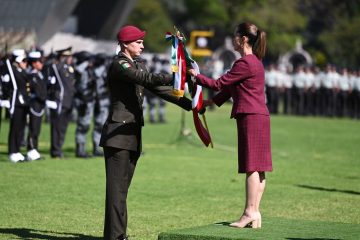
178, 63
180, 60
197, 102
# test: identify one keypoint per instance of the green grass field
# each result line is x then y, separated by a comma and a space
313, 193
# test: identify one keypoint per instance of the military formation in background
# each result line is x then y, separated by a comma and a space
308, 91
91, 100
61, 87
153, 104
34, 88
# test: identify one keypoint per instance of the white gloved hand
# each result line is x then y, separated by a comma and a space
51, 104
5, 103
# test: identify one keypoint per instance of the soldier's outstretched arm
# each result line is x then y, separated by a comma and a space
165, 92
126, 72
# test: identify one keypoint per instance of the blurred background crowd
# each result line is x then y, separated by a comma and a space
59, 88
55, 55
310, 91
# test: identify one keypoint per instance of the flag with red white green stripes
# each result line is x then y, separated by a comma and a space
180, 61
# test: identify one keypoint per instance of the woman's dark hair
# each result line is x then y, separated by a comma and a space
257, 38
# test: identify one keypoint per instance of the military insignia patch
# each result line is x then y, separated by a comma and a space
125, 65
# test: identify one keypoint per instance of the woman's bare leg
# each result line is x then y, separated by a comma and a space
261, 190
250, 214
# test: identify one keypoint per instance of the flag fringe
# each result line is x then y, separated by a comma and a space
178, 93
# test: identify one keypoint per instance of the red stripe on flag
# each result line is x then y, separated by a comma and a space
200, 129
182, 62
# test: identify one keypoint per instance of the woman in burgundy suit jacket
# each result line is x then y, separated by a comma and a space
245, 83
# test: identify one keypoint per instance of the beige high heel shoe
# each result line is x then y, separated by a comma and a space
249, 221
256, 223
259, 220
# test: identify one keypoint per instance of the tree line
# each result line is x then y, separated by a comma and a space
328, 29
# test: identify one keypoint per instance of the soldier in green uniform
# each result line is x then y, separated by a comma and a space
121, 134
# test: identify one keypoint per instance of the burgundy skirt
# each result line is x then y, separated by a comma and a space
254, 147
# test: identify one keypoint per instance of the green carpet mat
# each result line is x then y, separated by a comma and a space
272, 228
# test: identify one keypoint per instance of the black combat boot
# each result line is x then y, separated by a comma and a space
97, 152
80, 151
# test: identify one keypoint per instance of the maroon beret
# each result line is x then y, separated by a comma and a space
130, 34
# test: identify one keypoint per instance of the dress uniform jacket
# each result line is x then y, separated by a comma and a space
22, 82
127, 80
23, 85
67, 79
37, 105
38, 92
18, 119
62, 81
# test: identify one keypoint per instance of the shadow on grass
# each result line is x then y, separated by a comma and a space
227, 224
313, 238
329, 189
26, 233
223, 223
